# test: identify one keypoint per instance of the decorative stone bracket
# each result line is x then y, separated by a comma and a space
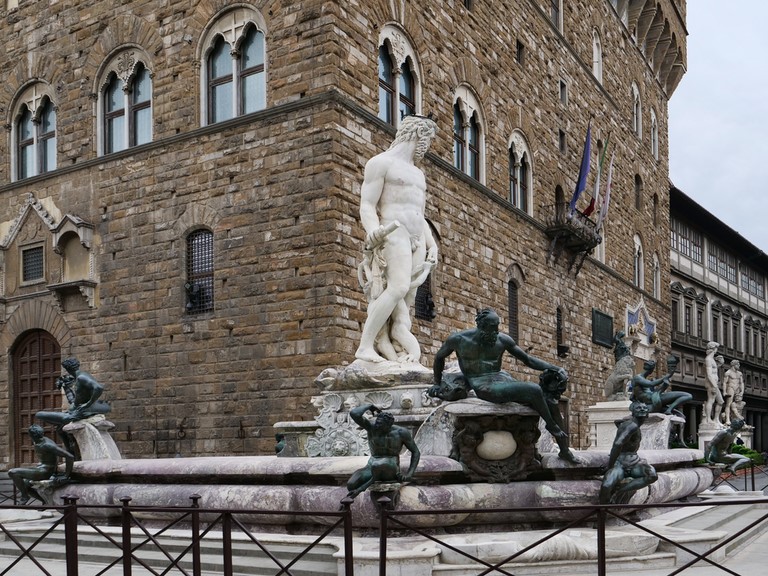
87, 288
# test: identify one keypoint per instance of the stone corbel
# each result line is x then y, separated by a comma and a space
86, 288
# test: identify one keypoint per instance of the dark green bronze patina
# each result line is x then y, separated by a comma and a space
49, 453
721, 444
480, 352
626, 472
654, 393
82, 391
386, 440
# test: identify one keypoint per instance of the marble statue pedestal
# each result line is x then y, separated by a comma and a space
602, 417
707, 431
400, 389
493, 442
93, 438
747, 434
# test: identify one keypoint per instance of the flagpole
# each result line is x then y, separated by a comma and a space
581, 182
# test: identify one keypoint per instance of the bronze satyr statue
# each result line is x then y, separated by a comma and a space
82, 391
386, 440
654, 393
49, 453
626, 472
480, 352
722, 442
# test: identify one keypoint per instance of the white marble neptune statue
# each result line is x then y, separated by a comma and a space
399, 250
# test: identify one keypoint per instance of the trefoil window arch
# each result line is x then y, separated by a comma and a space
468, 134
399, 76
125, 104
520, 173
656, 276
597, 56
234, 66
34, 133
638, 268
637, 112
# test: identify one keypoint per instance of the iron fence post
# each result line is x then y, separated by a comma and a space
226, 541
601, 541
752, 472
196, 564
349, 563
125, 515
70, 533
383, 503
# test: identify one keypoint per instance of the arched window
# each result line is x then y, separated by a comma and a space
520, 174
126, 104
654, 135
637, 112
407, 89
253, 82
220, 81
114, 115
597, 56
638, 264
656, 276
386, 87
399, 84
473, 147
34, 134
556, 14
233, 61
200, 265
468, 135
638, 192
459, 148
26, 144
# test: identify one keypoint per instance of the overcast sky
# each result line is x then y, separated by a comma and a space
718, 116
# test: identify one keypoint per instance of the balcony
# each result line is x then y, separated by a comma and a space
572, 232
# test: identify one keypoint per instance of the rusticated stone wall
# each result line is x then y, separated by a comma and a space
279, 189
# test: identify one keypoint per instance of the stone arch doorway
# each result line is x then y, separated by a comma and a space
36, 361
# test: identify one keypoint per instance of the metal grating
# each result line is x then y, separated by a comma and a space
199, 286
32, 264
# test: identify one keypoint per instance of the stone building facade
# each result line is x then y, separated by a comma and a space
180, 184
718, 294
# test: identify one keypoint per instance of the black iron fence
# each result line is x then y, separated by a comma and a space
140, 544
754, 478
596, 517
142, 547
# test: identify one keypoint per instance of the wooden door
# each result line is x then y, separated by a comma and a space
36, 365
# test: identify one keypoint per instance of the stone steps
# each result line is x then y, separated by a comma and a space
638, 564
703, 528
247, 557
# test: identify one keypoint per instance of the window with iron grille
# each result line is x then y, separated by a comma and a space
199, 284
425, 305
32, 264
513, 300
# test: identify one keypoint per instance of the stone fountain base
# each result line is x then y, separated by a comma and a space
310, 485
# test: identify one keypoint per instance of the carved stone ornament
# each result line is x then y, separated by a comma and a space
338, 435
497, 448
124, 66
31, 204
344, 438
